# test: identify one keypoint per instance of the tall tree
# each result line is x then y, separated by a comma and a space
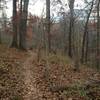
71, 26
48, 25
98, 35
23, 24
0, 21
14, 21
3, 21
85, 35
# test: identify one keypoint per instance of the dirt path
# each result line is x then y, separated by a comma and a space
31, 90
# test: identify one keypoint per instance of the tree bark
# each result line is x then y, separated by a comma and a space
48, 24
71, 26
0, 29
23, 24
87, 44
85, 33
98, 36
14, 21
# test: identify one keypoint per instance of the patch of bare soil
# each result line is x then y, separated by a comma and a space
30, 90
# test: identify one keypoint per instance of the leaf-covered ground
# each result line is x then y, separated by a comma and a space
23, 78
11, 83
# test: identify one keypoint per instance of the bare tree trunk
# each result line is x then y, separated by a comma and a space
85, 33
0, 37
64, 34
20, 14
76, 53
71, 26
48, 24
23, 25
98, 36
87, 44
0, 29
14, 42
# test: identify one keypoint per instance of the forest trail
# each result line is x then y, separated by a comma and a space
30, 89
35, 86
23, 78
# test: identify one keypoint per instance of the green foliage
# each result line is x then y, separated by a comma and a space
81, 90
17, 97
86, 92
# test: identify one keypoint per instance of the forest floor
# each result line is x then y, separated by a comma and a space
22, 77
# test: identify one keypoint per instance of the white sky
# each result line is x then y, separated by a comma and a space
38, 6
